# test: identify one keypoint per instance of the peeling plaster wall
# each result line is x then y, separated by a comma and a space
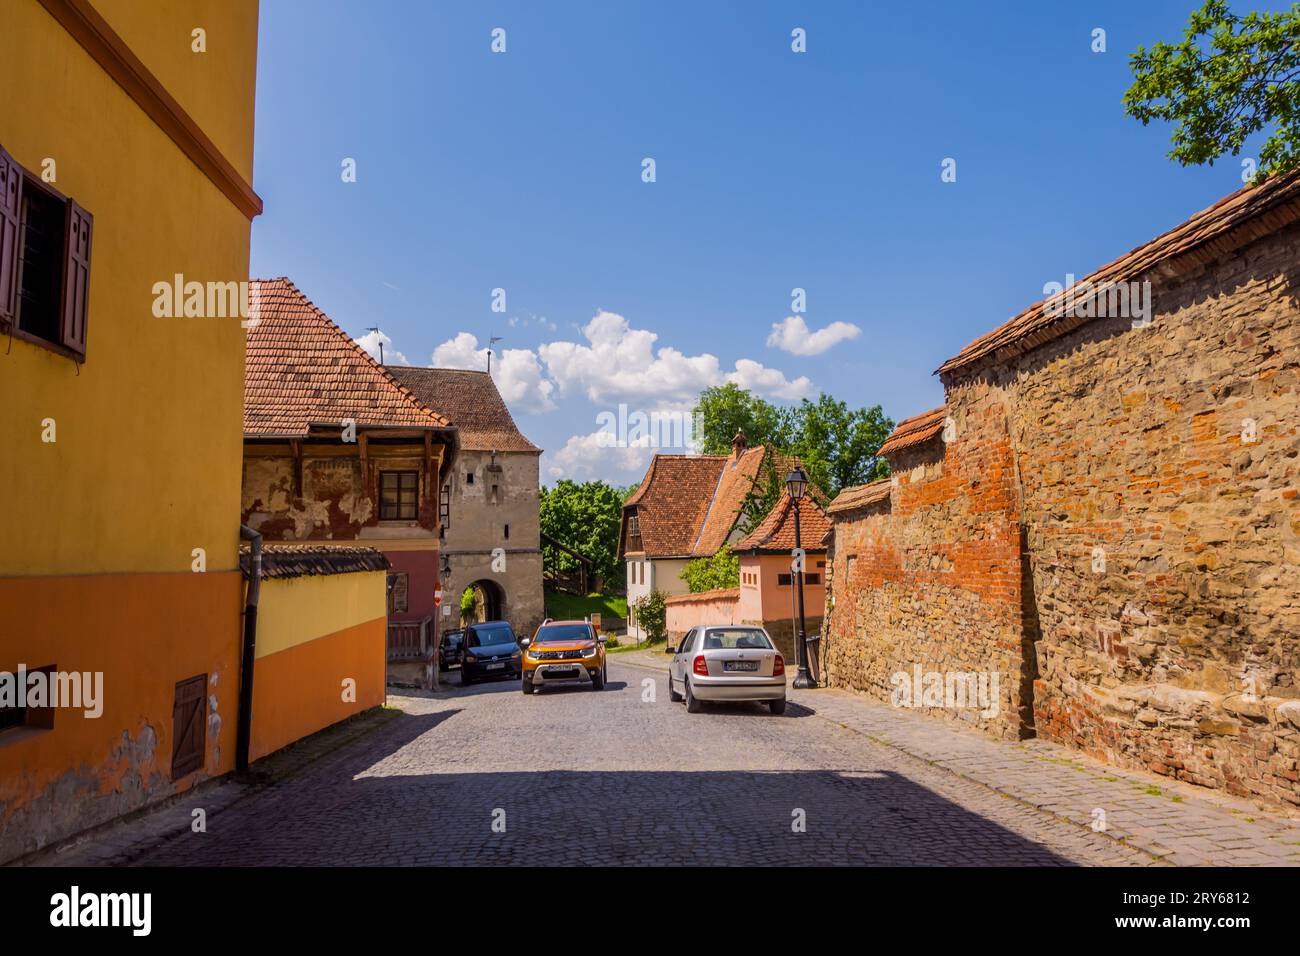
149, 632
339, 496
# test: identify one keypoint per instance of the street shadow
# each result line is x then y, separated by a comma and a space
347, 817
610, 685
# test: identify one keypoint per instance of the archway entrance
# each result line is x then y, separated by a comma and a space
482, 601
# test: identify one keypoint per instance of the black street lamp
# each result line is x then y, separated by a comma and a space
796, 484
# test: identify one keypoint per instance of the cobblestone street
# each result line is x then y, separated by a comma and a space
573, 776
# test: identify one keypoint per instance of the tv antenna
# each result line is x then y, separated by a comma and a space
492, 340
375, 329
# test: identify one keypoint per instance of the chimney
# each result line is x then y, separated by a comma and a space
738, 445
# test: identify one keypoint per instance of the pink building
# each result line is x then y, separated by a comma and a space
766, 594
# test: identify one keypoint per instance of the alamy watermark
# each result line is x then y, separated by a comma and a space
44, 688
955, 690
190, 299
1106, 300
653, 429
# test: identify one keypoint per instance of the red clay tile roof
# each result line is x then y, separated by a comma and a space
913, 431
689, 504
471, 402
1241, 217
860, 496
735, 482
776, 531
300, 369
673, 501
291, 561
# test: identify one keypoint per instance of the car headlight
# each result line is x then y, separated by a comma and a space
589, 652
532, 654
471, 659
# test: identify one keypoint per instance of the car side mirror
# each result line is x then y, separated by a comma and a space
602, 638
669, 649
525, 641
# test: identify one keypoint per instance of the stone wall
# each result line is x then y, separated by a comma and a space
1113, 527
496, 509
1159, 470
931, 578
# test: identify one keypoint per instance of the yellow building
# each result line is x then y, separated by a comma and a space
127, 138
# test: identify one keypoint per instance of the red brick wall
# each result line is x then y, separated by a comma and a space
934, 580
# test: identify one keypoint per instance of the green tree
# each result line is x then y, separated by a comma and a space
720, 570
1229, 78
722, 410
586, 518
837, 445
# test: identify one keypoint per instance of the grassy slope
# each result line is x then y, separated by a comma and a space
571, 606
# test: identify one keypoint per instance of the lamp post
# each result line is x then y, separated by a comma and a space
796, 484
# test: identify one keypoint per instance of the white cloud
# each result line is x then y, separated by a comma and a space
793, 335
516, 372
597, 455
371, 342
622, 362
769, 381
616, 363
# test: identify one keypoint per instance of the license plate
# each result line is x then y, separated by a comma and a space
740, 665
495, 667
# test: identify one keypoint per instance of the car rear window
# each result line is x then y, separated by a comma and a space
490, 634
740, 638
557, 633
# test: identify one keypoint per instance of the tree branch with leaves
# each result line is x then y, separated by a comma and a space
1230, 78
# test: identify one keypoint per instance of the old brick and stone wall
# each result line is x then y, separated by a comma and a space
931, 577
1159, 471
1115, 521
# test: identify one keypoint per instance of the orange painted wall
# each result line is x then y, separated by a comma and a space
145, 633
299, 690
770, 601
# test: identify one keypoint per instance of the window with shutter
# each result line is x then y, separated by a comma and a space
76, 277
11, 186
45, 241
189, 729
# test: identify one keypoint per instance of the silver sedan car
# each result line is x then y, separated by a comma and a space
727, 662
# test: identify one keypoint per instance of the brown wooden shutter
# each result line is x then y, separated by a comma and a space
76, 277
11, 198
189, 728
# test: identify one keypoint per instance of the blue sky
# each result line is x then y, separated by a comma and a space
775, 170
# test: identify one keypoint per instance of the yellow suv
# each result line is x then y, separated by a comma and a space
564, 652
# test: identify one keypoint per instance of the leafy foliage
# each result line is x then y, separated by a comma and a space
468, 604
585, 517
651, 614
720, 570
1229, 78
723, 410
837, 445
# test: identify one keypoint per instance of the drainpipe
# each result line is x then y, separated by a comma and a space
245, 724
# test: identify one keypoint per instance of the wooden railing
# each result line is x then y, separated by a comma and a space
408, 640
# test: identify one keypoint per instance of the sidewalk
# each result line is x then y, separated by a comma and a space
1178, 823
